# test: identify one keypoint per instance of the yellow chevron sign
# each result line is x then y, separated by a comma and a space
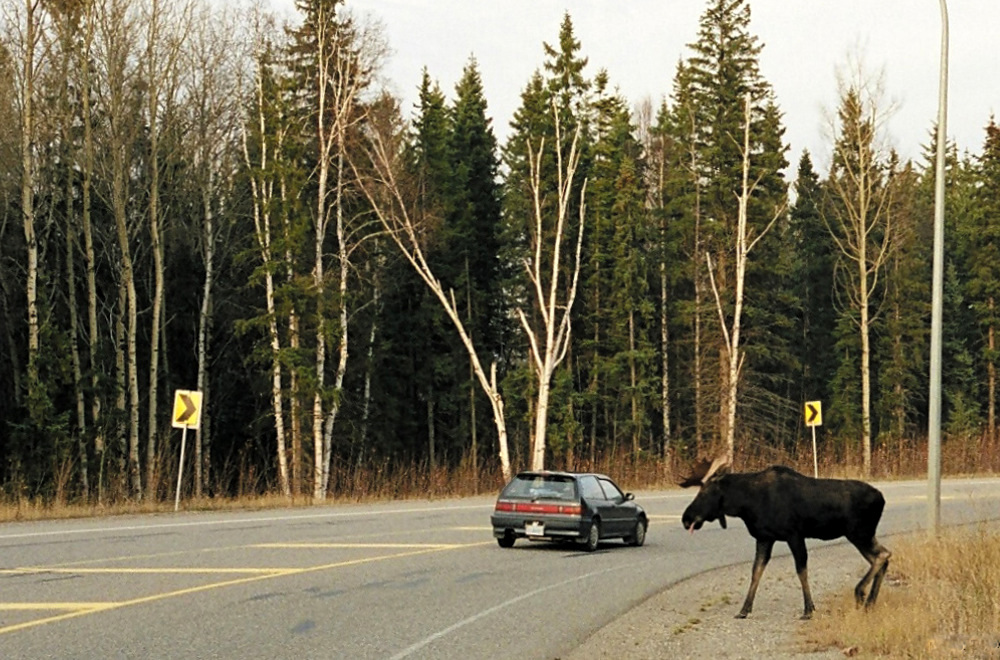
187, 409
814, 413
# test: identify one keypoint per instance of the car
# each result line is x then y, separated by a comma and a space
583, 507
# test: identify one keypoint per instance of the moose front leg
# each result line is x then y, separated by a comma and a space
759, 562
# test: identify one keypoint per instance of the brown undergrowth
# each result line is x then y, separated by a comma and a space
941, 599
358, 483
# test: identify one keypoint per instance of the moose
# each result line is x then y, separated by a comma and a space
779, 504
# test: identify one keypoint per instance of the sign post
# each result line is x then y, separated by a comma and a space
187, 414
814, 418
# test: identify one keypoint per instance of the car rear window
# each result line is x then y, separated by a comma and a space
541, 486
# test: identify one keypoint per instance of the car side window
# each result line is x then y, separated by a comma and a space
612, 491
591, 489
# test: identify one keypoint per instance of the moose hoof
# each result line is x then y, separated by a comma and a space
741, 615
806, 616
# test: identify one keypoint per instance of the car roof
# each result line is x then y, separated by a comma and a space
560, 473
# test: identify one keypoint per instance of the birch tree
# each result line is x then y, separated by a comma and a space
166, 29
356, 53
27, 22
731, 332
117, 76
860, 223
214, 92
336, 58
381, 176
261, 141
549, 338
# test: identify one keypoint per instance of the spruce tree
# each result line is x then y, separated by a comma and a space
982, 263
813, 273
475, 223
710, 90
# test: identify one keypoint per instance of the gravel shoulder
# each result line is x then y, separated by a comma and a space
695, 617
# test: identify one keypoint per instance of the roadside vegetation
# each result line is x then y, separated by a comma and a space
940, 601
960, 457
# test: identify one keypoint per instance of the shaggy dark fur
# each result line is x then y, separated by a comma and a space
779, 504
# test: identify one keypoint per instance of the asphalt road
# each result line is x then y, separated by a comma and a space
387, 581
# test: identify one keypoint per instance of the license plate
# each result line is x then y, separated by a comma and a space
534, 529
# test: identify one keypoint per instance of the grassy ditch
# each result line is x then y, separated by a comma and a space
941, 600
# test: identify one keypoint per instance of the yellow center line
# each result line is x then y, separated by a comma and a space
103, 607
136, 571
382, 546
14, 607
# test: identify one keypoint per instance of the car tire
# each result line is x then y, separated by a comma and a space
638, 536
594, 537
506, 541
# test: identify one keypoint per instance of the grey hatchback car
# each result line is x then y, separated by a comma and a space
567, 506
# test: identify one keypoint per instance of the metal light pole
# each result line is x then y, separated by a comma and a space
934, 416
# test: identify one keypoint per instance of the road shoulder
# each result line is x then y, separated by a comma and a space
695, 617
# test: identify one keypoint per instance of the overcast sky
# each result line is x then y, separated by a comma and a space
639, 42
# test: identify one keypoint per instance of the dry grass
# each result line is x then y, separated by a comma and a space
941, 600
250, 490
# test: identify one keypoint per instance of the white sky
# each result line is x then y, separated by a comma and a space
639, 42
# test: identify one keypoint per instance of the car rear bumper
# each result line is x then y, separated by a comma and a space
554, 528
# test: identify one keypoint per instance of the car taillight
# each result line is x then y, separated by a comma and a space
535, 507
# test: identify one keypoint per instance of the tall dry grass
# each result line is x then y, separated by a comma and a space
941, 600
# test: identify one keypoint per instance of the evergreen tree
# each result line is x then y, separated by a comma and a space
902, 331
813, 274
981, 234
475, 222
721, 72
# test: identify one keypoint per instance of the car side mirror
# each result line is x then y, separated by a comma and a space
629, 497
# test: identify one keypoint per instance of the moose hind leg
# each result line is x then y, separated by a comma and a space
878, 560
883, 566
759, 563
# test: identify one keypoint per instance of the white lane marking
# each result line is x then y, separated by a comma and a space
240, 521
413, 648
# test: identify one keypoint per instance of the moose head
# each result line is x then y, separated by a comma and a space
708, 505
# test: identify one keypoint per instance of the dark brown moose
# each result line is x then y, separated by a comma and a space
779, 504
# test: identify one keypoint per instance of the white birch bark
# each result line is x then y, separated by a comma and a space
549, 342
734, 354
262, 191
862, 225
117, 57
388, 196
27, 19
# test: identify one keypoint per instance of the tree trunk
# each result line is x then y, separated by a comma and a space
27, 92
991, 374
343, 259
550, 342
74, 335
204, 437
90, 258
667, 446
261, 190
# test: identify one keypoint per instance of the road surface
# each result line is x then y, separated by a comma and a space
387, 581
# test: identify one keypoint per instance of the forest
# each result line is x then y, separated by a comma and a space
197, 197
